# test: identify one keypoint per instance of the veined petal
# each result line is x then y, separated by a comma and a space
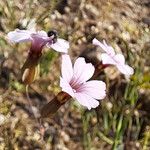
82, 71
66, 87
119, 58
125, 69
66, 68
94, 88
86, 100
60, 46
20, 35
107, 59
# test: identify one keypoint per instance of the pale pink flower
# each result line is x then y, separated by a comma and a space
38, 40
74, 81
110, 57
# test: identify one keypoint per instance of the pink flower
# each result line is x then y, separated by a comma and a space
74, 82
110, 57
38, 39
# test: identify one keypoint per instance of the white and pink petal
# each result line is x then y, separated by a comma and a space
119, 58
82, 71
98, 43
107, 59
20, 35
108, 49
94, 88
60, 46
42, 33
125, 69
66, 87
86, 100
66, 68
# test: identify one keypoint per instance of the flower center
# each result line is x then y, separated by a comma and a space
75, 84
74, 90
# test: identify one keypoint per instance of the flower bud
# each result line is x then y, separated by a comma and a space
30, 74
30, 70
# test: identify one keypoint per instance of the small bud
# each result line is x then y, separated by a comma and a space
29, 75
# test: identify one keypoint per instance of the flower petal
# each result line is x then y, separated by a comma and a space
108, 49
66, 68
86, 100
94, 88
66, 87
119, 58
107, 59
20, 35
125, 69
82, 71
42, 33
110, 58
60, 46
98, 43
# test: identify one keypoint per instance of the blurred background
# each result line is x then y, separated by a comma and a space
122, 120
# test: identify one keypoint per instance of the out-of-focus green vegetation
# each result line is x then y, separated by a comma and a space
122, 121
